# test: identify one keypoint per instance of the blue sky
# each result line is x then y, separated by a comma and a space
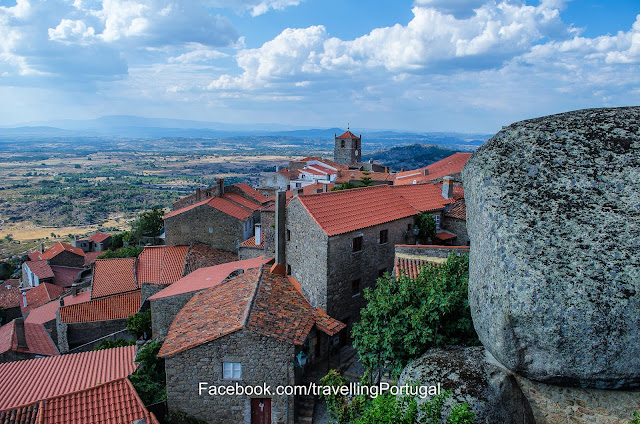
426, 65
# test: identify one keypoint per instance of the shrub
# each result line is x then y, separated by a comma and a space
110, 344
140, 323
150, 378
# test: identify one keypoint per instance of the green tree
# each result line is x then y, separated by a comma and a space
148, 224
345, 186
365, 180
110, 344
427, 225
124, 252
406, 316
140, 323
150, 378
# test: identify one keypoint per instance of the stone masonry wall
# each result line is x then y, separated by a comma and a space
164, 311
559, 405
69, 259
193, 225
346, 266
148, 289
268, 219
459, 228
306, 253
85, 332
249, 252
264, 360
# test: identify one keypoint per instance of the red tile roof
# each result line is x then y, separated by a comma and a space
115, 402
205, 278
243, 201
161, 264
37, 339
458, 210
55, 250
81, 297
112, 276
40, 268
352, 174
348, 134
202, 255
44, 313
252, 243
251, 192
448, 166
25, 382
9, 294
339, 212
90, 257
118, 306
445, 235
223, 205
65, 276
39, 295
409, 266
425, 197
257, 301
99, 237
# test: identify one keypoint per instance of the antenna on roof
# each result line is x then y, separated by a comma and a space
347, 126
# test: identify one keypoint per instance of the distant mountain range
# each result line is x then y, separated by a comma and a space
133, 127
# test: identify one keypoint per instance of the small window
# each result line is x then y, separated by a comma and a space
231, 370
288, 269
381, 272
384, 236
210, 230
437, 219
355, 287
409, 227
342, 144
357, 244
288, 235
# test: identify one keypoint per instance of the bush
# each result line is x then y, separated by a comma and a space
406, 316
110, 344
140, 323
124, 252
150, 378
427, 225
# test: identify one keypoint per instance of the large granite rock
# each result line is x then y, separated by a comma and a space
553, 214
474, 377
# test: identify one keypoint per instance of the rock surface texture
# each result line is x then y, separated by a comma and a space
553, 214
473, 376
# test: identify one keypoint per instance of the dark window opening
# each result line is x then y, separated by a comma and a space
384, 236
288, 235
342, 144
288, 269
355, 287
381, 272
357, 244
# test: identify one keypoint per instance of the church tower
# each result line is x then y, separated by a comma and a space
347, 149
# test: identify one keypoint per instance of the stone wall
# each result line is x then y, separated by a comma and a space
164, 311
559, 405
264, 361
249, 252
205, 225
459, 228
73, 335
268, 220
306, 254
147, 290
69, 259
344, 266
12, 356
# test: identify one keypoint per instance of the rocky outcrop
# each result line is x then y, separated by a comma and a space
553, 214
474, 377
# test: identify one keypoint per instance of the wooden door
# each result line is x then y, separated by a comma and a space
261, 411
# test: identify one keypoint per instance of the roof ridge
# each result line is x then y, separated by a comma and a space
247, 313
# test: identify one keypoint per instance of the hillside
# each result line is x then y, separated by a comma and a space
410, 157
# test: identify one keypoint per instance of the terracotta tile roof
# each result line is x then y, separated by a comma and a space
55, 250
448, 166
292, 175
39, 295
348, 134
458, 191
25, 382
65, 276
118, 306
425, 197
258, 301
113, 276
81, 297
43, 314
352, 174
90, 257
252, 243
445, 235
243, 201
339, 212
202, 255
223, 205
251, 192
36, 336
40, 268
161, 264
9, 294
409, 266
8, 341
29, 414
458, 210
208, 277
99, 237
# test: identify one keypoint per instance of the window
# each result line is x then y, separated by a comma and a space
288, 235
384, 236
355, 287
357, 244
288, 269
437, 219
231, 370
342, 144
381, 272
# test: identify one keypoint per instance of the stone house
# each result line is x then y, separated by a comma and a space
10, 300
455, 221
222, 217
60, 254
243, 332
97, 242
449, 166
20, 340
166, 304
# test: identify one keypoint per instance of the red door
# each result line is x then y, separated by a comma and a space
261, 411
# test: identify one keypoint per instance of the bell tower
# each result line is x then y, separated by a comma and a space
347, 149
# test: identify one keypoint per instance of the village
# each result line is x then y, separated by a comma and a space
251, 285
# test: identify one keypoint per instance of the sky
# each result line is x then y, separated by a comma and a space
421, 65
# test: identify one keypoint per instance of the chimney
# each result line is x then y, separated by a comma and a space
299, 191
74, 290
24, 299
41, 247
198, 194
258, 228
280, 267
401, 169
325, 187
447, 187
220, 187
370, 160
386, 169
19, 329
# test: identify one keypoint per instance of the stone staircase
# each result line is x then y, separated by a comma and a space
305, 409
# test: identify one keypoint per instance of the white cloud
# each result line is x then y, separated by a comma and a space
69, 31
198, 55
255, 7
